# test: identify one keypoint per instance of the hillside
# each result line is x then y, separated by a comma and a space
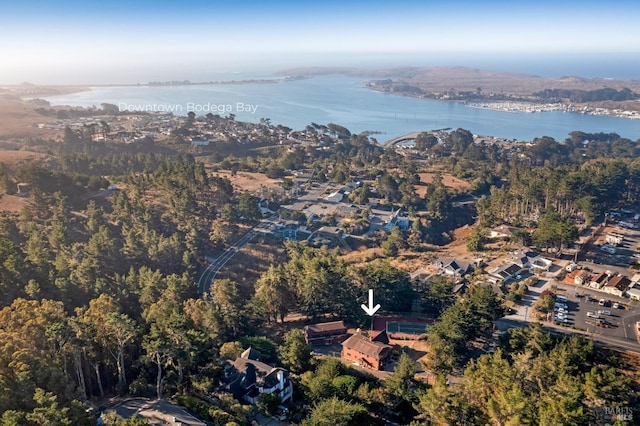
406, 80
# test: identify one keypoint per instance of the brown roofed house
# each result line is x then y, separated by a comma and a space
617, 285
581, 277
361, 350
325, 333
599, 280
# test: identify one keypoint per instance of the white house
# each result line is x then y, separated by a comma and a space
614, 239
453, 267
502, 231
531, 261
634, 293
199, 141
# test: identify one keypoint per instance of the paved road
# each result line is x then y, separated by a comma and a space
215, 265
408, 136
621, 337
608, 342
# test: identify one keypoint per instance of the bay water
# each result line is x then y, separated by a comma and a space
346, 101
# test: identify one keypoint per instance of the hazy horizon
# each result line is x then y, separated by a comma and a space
74, 42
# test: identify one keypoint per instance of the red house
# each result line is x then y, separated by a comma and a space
361, 350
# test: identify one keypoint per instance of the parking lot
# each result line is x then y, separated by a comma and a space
619, 323
624, 252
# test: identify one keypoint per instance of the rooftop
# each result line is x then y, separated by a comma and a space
620, 282
362, 345
326, 327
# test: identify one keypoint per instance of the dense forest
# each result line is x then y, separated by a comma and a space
98, 293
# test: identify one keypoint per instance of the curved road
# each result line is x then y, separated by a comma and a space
407, 137
215, 265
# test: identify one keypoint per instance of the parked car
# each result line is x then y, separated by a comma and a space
605, 312
616, 305
592, 315
601, 302
608, 249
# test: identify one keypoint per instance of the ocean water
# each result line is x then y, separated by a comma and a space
345, 101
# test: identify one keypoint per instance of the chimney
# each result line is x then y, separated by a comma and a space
280, 376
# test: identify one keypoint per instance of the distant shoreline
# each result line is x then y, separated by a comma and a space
31, 92
530, 106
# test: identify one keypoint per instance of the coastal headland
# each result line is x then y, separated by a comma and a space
501, 91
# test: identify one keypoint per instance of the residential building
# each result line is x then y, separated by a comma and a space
540, 263
246, 378
361, 350
599, 280
325, 333
614, 239
330, 232
617, 285
506, 272
397, 218
335, 197
199, 141
502, 231
422, 277
581, 277
453, 267
634, 293
531, 260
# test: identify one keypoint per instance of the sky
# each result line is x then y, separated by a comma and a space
84, 42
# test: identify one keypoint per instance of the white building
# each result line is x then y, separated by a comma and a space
634, 293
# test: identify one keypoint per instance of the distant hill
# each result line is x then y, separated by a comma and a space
440, 79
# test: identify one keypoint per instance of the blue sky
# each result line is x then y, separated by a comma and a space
119, 41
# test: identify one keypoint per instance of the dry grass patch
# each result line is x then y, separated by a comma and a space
249, 181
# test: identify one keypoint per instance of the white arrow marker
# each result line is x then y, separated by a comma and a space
370, 310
